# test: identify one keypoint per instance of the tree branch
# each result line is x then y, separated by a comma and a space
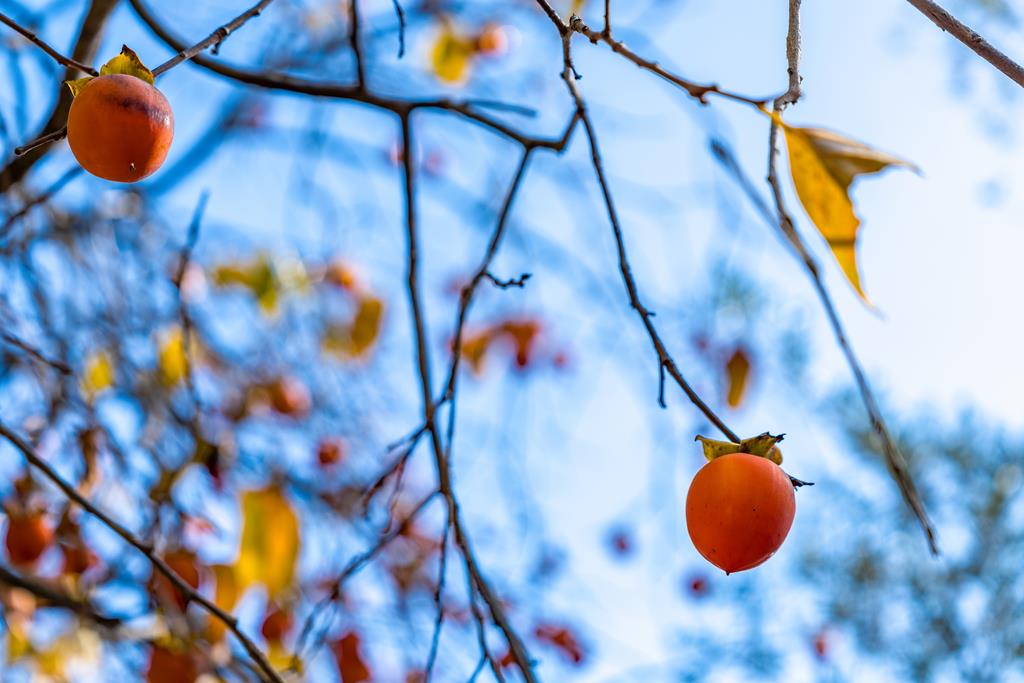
966, 35
36, 40
55, 597
214, 39
478, 581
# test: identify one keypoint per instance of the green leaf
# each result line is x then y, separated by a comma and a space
763, 445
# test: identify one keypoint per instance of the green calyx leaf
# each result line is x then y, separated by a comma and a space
763, 445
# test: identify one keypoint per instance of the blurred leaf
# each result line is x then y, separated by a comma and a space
355, 339
18, 643
823, 165
98, 374
270, 541
172, 360
350, 661
737, 372
562, 639
171, 663
523, 334
452, 56
80, 645
474, 350
259, 277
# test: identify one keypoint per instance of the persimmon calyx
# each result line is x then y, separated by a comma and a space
763, 445
127, 63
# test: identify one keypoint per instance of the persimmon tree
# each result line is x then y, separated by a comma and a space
221, 461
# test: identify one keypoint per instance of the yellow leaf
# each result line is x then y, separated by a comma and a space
824, 164
737, 372
279, 656
127, 63
576, 6
98, 374
270, 541
172, 360
225, 596
259, 277
18, 643
76, 85
356, 338
452, 56
80, 646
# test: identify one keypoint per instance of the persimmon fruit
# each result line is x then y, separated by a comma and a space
120, 128
739, 510
28, 536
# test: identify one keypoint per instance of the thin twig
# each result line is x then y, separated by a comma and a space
42, 198
33, 38
56, 597
442, 571
401, 27
56, 135
351, 568
698, 91
56, 364
519, 282
355, 40
969, 37
214, 39
478, 582
158, 563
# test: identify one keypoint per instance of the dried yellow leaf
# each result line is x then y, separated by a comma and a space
824, 164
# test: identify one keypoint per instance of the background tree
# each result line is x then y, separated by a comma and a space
364, 382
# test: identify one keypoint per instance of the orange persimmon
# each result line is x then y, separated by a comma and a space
28, 536
120, 127
739, 510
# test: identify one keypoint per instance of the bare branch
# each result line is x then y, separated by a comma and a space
36, 40
214, 39
54, 596
42, 198
58, 365
966, 35
401, 27
697, 91
355, 40
478, 581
